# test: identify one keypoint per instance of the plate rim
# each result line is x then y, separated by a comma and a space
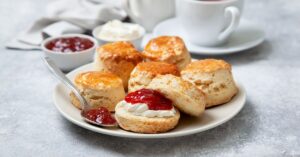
225, 51
96, 129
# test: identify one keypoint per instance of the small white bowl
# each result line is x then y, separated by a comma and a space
136, 42
69, 60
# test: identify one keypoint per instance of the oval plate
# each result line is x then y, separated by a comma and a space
211, 118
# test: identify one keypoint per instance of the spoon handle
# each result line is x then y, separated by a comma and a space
61, 76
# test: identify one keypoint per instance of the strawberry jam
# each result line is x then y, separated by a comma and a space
154, 99
69, 44
100, 115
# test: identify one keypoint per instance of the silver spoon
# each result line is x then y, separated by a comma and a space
60, 75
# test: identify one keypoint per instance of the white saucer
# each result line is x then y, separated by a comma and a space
211, 118
246, 36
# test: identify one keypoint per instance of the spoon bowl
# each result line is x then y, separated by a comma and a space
95, 123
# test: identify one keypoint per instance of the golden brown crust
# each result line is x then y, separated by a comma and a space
119, 58
207, 65
170, 49
171, 45
118, 51
156, 68
92, 79
139, 124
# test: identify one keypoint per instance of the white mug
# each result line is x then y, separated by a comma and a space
209, 23
148, 13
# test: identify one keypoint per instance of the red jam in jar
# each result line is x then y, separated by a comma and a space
100, 115
154, 99
69, 44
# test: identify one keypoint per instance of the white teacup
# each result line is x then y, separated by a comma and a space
148, 13
209, 22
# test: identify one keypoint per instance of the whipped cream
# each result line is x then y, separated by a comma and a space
141, 109
117, 31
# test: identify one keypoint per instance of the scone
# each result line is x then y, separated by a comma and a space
185, 96
170, 49
100, 89
119, 58
214, 78
144, 72
146, 111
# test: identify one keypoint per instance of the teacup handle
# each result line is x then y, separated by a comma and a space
126, 7
234, 13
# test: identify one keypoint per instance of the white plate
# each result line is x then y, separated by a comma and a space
246, 36
187, 125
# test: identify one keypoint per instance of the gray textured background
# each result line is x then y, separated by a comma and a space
269, 125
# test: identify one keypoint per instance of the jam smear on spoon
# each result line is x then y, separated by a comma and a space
154, 99
100, 115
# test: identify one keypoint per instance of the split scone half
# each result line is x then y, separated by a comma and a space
146, 111
214, 78
100, 89
119, 58
170, 49
185, 96
144, 72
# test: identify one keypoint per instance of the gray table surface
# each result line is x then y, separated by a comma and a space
269, 124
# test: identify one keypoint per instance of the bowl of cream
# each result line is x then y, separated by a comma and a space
116, 30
